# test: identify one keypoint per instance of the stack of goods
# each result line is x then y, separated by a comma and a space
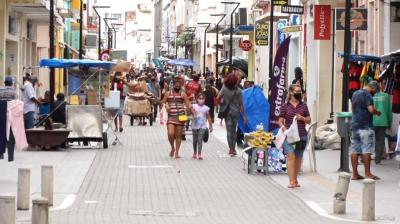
138, 104
259, 139
276, 160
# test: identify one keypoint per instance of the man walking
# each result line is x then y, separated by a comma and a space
155, 89
381, 123
363, 136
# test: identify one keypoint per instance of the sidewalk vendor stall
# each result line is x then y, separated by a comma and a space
88, 85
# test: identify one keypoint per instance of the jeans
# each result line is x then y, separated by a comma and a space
198, 135
380, 135
231, 122
29, 120
298, 148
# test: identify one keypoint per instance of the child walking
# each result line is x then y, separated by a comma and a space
199, 125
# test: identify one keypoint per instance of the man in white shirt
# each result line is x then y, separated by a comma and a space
30, 102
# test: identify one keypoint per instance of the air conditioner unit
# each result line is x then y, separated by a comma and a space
241, 17
91, 40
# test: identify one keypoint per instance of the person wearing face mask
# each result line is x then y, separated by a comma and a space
362, 133
294, 108
174, 102
199, 125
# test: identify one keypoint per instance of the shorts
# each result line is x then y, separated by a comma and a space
119, 112
298, 148
362, 141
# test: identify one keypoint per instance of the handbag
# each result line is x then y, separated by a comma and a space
206, 135
292, 134
224, 112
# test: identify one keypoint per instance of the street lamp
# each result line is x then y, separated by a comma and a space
176, 45
115, 32
205, 44
52, 54
80, 29
216, 55
189, 30
109, 31
99, 24
231, 30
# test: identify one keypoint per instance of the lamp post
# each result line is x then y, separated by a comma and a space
109, 32
271, 40
115, 32
217, 46
99, 34
189, 30
205, 45
231, 30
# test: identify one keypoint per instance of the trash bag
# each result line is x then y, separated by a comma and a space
256, 107
327, 137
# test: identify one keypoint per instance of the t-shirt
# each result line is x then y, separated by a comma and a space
288, 112
200, 121
29, 93
234, 97
154, 88
362, 118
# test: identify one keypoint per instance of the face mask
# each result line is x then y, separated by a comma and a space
297, 96
201, 102
177, 89
153, 80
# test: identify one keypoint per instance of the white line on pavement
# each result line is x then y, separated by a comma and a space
149, 167
68, 201
91, 202
320, 211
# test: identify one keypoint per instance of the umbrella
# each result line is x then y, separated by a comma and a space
238, 63
163, 59
188, 62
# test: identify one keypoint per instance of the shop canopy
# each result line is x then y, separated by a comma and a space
360, 57
392, 56
68, 63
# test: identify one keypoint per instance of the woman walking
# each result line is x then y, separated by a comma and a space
232, 104
175, 102
294, 108
199, 125
117, 83
210, 94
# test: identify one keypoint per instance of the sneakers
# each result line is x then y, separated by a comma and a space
200, 157
194, 156
197, 156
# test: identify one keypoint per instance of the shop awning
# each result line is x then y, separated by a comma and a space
392, 56
68, 63
214, 29
361, 57
244, 29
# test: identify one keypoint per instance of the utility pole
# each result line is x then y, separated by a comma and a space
52, 55
81, 30
205, 45
271, 40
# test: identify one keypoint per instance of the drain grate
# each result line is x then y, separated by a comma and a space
162, 213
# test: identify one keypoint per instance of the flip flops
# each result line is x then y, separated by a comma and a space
359, 177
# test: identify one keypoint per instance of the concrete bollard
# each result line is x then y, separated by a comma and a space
368, 200
24, 186
7, 209
40, 211
342, 187
47, 183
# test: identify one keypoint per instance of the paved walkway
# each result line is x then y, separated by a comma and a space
138, 183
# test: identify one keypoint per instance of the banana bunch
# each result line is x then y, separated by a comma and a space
259, 139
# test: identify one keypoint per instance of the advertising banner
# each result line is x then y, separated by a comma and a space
282, 23
358, 19
322, 20
262, 32
277, 83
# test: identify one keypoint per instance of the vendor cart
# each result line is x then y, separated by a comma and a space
139, 105
88, 123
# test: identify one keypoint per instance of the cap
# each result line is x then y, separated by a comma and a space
8, 81
374, 85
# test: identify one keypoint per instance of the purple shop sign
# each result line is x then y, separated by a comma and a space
277, 84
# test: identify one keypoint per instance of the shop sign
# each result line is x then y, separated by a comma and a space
358, 19
293, 9
280, 2
322, 20
262, 32
292, 29
282, 23
119, 55
245, 45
